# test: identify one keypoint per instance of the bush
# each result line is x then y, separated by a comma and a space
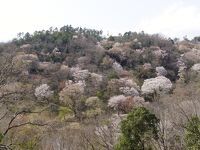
143, 74
192, 134
138, 130
113, 75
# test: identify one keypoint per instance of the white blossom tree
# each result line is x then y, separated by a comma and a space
43, 91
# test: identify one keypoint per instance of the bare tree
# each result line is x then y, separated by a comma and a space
13, 124
99, 135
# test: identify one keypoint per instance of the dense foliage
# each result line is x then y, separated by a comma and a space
192, 135
138, 129
54, 37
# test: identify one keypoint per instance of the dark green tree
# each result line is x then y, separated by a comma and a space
192, 133
137, 131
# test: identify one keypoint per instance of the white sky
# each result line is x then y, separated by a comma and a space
173, 18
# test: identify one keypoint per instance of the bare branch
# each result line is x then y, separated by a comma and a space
4, 147
88, 141
23, 124
183, 112
10, 126
3, 115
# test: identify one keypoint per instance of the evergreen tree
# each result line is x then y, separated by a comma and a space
138, 130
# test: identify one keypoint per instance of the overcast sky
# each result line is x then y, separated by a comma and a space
173, 18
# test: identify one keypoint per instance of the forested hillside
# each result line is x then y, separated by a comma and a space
74, 89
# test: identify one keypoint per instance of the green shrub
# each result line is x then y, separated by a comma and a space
192, 134
138, 130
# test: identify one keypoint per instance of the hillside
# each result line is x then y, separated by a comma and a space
72, 89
